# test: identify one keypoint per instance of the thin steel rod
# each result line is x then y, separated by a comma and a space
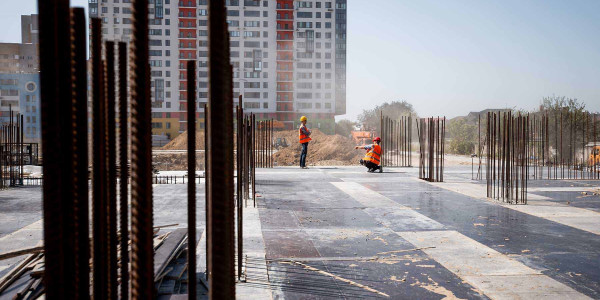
142, 252
124, 172
220, 163
80, 155
191, 136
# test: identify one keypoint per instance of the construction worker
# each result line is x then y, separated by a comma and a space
304, 134
371, 159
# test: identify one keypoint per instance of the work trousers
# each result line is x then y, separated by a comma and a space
303, 155
369, 164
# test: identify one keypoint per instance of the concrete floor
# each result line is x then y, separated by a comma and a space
339, 232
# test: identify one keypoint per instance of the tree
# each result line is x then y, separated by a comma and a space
394, 110
463, 137
344, 127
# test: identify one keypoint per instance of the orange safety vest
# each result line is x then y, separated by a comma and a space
303, 137
373, 154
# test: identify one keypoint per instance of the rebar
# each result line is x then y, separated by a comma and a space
191, 135
220, 226
142, 254
124, 171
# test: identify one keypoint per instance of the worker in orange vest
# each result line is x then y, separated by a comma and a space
304, 134
373, 156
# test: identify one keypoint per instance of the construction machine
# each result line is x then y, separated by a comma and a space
594, 158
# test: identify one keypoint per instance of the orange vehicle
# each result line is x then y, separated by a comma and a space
594, 156
362, 137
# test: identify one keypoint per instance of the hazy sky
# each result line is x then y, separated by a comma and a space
453, 57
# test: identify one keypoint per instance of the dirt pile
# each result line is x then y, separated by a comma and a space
175, 161
181, 142
322, 150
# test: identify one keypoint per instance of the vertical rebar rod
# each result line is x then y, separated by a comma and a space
142, 252
80, 155
191, 166
206, 183
112, 170
124, 172
220, 164
99, 185
56, 100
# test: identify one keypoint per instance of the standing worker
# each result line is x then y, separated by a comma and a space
304, 134
371, 159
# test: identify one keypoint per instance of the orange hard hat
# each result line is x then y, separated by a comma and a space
377, 139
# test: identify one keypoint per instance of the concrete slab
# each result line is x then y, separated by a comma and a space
486, 269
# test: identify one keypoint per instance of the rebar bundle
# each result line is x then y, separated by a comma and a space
115, 270
432, 134
263, 143
562, 145
13, 151
507, 156
396, 138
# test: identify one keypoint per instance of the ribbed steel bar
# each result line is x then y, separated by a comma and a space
99, 185
142, 253
80, 155
112, 169
191, 136
207, 180
56, 101
123, 171
220, 163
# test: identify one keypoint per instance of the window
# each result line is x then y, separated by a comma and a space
250, 105
251, 13
252, 23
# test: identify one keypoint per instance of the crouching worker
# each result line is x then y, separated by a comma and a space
371, 159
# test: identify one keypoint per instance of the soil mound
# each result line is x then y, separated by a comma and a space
322, 150
181, 142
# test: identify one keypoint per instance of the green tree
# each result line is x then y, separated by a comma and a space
344, 127
463, 137
394, 110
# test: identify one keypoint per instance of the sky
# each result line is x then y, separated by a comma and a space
453, 57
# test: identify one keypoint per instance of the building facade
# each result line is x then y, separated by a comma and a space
286, 56
21, 93
19, 79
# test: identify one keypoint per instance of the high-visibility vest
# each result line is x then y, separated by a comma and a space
303, 137
374, 154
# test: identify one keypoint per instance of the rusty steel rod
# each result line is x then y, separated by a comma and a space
99, 184
57, 141
112, 169
220, 227
123, 171
191, 166
142, 254
80, 155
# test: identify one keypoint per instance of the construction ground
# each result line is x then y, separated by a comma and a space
339, 232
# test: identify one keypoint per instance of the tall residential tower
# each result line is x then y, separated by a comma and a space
288, 57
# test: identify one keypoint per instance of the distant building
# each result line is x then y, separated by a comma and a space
19, 79
21, 92
288, 57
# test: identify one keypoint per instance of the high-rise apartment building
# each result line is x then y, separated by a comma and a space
288, 57
19, 79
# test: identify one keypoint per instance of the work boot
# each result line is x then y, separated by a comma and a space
370, 171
